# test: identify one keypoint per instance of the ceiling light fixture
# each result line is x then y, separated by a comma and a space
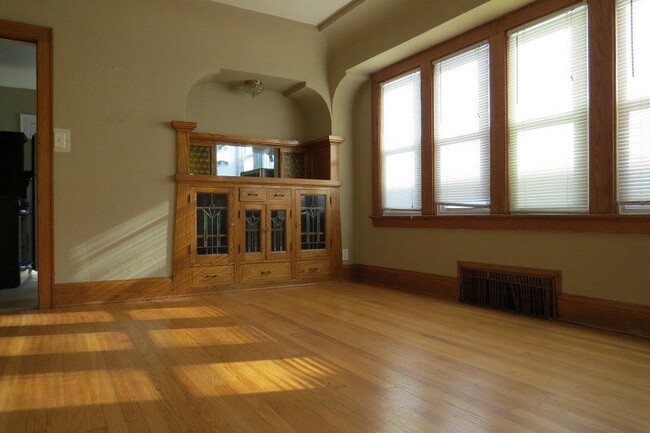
254, 87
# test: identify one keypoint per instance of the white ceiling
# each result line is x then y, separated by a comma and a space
306, 11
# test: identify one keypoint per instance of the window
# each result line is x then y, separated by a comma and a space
548, 116
400, 153
633, 46
461, 127
537, 120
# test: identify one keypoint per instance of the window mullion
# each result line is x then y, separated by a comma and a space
602, 109
498, 124
427, 139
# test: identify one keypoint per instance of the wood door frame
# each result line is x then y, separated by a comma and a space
42, 37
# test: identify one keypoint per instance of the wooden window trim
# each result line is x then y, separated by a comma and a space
603, 216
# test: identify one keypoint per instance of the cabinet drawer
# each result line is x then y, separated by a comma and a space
265, 272
313, 269
277, 195
213, 275
252, 194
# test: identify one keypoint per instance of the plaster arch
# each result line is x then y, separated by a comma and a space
287, 109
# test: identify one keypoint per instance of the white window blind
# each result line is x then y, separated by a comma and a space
633, 49
548, 115
400, 144
461, 128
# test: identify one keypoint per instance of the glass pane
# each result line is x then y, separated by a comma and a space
200, 160
543, 65
313, 222
401, 190
401, 112
278, 230
253, 220
211, 223
294, 165
634, 37
249, 161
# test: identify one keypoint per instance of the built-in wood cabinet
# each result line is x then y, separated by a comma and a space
257, 227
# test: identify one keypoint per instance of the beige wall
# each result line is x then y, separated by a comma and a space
13, 103
122, 71
221, 109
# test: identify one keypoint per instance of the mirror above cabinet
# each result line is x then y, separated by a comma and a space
225, 159
216, 155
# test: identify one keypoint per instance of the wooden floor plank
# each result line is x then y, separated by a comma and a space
332, 357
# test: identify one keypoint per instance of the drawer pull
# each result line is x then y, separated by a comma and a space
278, 195
266, 272
210, 275
311, 270
252, 194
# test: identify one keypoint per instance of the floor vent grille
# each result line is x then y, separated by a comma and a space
531, 292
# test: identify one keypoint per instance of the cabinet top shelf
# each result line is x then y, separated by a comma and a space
200, 180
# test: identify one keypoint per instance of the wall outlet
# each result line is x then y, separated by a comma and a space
62, 140
346, 254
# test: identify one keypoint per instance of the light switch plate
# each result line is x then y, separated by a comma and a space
346, 255
62, 140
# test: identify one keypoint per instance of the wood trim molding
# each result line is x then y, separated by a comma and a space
350, 272
498, 124
67, 294
602, 103
206, 136
345, 9
639, 224
605, 314
412, 281
42, 37
427, 152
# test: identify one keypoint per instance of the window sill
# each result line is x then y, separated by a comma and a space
567, 223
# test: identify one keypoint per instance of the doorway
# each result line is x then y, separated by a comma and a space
26, 194
18, 272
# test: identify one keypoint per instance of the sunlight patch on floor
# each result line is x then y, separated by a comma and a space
65, 343
217, 335
58, 318
82, 388
253, 377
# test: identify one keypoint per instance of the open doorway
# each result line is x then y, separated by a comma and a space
18, 268
26, 139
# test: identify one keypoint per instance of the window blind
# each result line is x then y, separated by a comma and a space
461, 128
633, 61
400, 143
548, 115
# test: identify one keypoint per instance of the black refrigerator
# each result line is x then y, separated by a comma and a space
16, 216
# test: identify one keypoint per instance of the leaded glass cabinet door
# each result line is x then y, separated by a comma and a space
278, 245
213, 226
252, 232
315, 223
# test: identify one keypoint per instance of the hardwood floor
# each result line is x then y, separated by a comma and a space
337, 357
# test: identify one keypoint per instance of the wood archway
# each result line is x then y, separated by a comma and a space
42, 37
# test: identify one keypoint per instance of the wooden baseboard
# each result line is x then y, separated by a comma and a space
430, 284
605, 314
66, 294
350, 272
597, 313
